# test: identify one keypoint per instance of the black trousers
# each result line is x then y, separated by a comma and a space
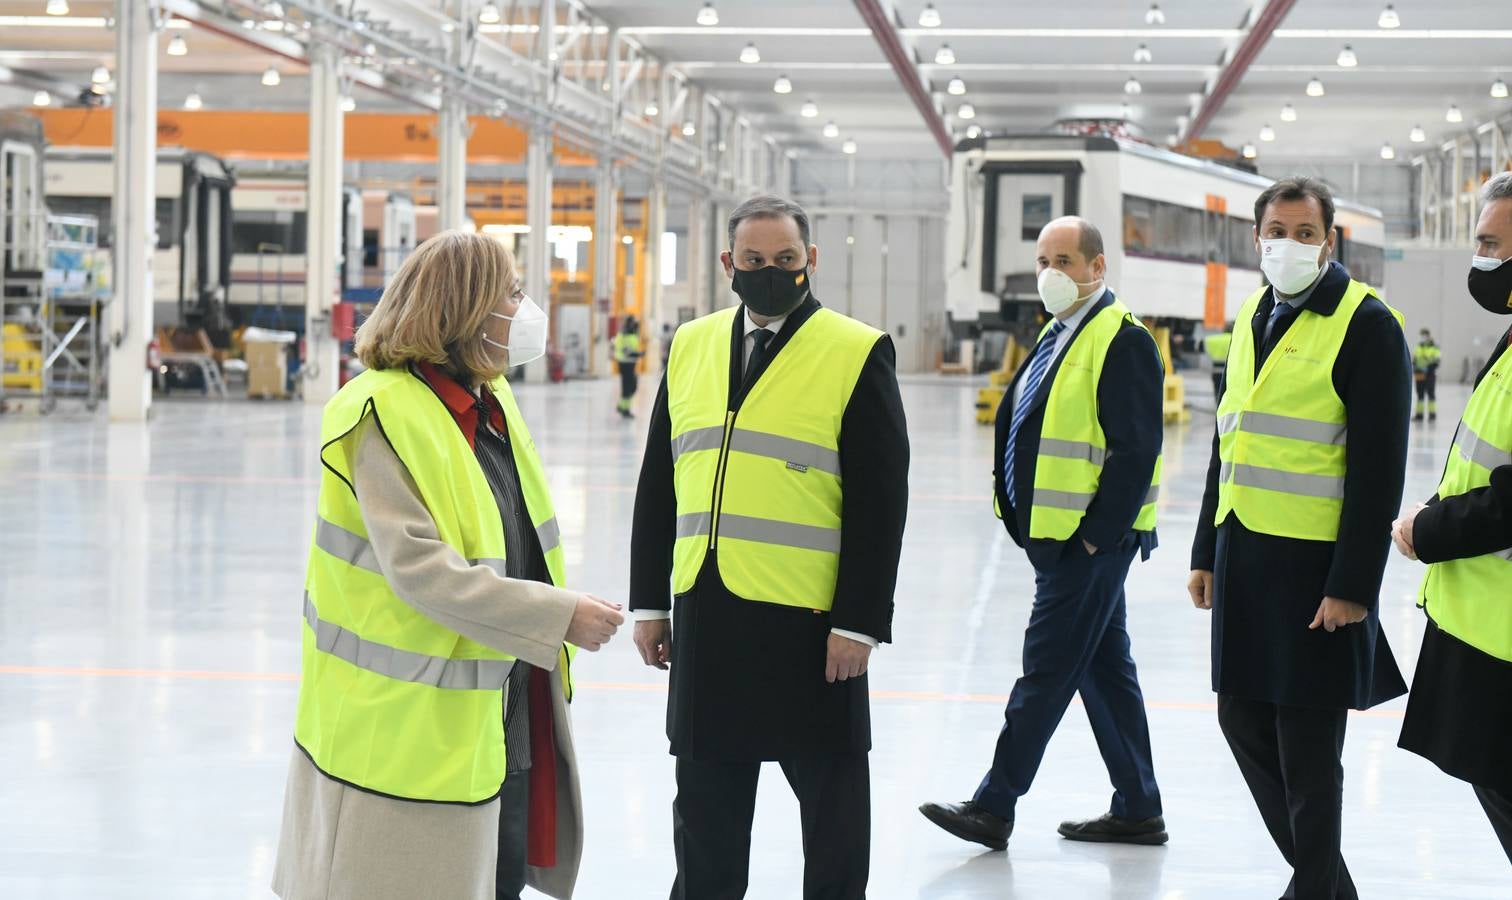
1498, 807
716, 802
629, 380
1291, 758
514, 831
1218, 383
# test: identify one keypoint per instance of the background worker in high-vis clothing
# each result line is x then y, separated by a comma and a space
1425, 366
1305, 478
1076, 474
433, 753
1217, 347
1460, 712
773, 496
627, 354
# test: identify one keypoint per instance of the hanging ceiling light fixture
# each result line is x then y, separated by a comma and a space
489, 14
1389, 18
1142, 54
849, 148
831, 130
1155, 16
750, 55
957, 87
930, 17
1315, 88
810, 109
689, 129
177, 46
652, 110
1132, 86
1499, 89
41, 98
782, 85
194, 101
1248, 151
57, 7
708, 16
1454, 115
1388, 151
1267, 133
1347, 58
1288, 113
348, 104
974, 132
945, 56
100, 75
967, 111
1417, 135
271, 78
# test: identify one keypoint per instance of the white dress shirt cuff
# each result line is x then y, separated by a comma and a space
858, 638
652, 615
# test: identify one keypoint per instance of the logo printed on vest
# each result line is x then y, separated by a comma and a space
800, 468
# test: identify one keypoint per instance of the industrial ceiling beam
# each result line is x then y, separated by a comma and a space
1238, 63
906, 69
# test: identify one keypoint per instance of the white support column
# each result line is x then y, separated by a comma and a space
323, 259
656, 223
134, 214
451, 186
699, 256
538, 173
605, 255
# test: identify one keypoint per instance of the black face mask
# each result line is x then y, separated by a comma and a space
1493, 289
773, 291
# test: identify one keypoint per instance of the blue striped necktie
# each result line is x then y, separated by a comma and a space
1038, 366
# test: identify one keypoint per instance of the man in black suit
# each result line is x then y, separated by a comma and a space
1076, 469
1306, 475
789, 416
1460, 712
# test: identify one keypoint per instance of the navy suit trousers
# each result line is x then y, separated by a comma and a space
1077, 641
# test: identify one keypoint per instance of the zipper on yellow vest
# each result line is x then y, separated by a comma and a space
719, 477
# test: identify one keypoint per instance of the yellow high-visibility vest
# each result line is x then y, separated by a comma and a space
1072, 446
392, 701
627, 347
1217, 347
762, 483
1469, 598
1282, 435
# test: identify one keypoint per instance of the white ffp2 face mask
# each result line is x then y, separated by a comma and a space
1059, 291
527, 333
1291, 266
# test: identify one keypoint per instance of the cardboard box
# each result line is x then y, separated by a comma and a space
267, 369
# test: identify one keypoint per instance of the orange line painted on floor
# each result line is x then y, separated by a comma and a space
607, 686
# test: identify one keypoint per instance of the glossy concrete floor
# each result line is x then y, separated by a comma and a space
149, 622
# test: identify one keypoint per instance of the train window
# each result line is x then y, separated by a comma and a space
370, 248
1138, 225
268, 231
1178, 233
1241, 244
1366, 263
167, 223
1037, 212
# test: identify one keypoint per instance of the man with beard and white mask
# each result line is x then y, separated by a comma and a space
773, 496
1294, 531
1076, 469
1458, 714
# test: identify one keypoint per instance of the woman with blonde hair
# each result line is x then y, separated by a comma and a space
433, 753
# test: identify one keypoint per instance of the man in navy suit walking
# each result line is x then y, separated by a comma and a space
1076, 474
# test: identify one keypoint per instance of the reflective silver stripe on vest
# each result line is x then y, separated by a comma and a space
693, 524
346, 546
1080, 502
1271, 425
697, 439
1072, 450
1475, 449
1153, 495
1326, 487
403, 665
786, 534
550, 535
497, 565
785, 449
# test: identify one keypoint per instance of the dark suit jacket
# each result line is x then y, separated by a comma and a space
748, 677
1268, 588
1130, 397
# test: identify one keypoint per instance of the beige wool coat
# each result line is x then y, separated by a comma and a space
341, 843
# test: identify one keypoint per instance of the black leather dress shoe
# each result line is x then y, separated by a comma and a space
970, 822
1110, 829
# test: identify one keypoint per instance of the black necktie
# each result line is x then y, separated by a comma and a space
762, 337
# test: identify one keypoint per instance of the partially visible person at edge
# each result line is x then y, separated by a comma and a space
1459, 714
627, 354
1294, 531
436, 627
